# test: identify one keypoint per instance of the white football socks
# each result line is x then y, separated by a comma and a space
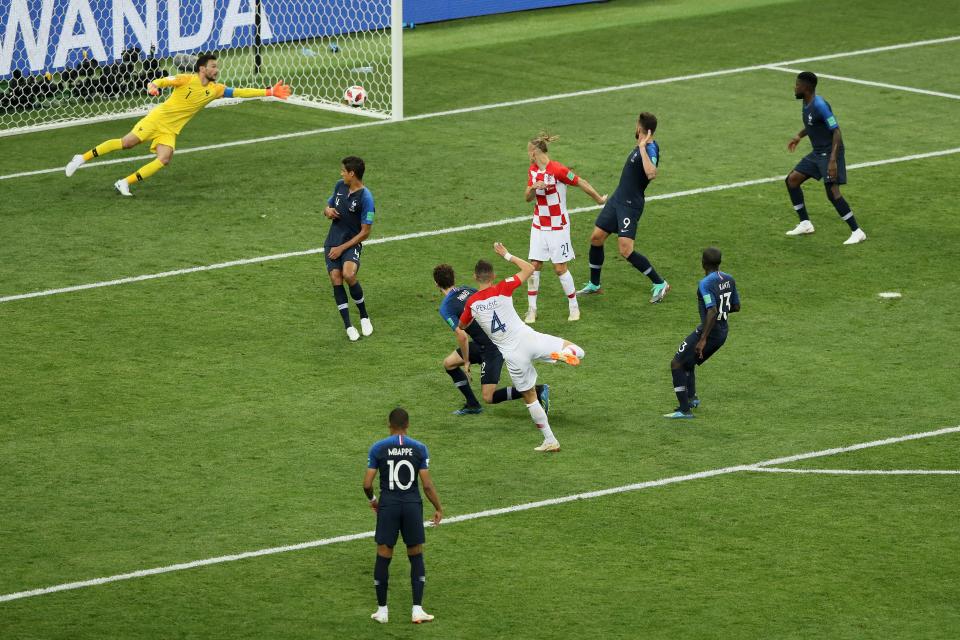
570, 289
533, 287
540, 419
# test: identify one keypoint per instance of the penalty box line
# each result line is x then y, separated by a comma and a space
19, 595
436, 232
512, 103
871, 83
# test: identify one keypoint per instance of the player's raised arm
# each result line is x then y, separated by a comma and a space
431, 492
279, 90
526, 269
649, 164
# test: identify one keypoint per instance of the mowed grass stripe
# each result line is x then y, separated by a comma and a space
481, 514
437, 232
510, 103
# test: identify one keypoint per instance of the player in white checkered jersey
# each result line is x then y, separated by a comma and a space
547, 182
491, 307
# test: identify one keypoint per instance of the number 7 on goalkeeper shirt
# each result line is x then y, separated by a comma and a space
191, 93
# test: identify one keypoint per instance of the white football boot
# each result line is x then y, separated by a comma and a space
73, 165
366, 327
548, 446
804, 228
856, 237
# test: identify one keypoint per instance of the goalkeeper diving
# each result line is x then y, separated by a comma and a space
191, 93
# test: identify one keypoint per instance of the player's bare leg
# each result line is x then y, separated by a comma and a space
794, 180
550, 443
570, 353
597, 238
569, 290
533, 287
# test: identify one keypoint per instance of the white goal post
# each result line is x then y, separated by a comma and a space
67, 62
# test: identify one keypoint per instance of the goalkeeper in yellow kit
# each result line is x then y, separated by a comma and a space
191, 93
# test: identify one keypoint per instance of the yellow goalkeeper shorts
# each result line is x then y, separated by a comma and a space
150, 129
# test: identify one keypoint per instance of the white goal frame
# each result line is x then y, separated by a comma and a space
143, 104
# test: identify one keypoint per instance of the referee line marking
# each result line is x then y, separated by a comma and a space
500, 105
473, 516
865, 472
871, 83
437, 232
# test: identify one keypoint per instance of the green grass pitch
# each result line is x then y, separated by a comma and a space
189, 417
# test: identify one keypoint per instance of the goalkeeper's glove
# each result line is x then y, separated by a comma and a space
153, 89
279, 90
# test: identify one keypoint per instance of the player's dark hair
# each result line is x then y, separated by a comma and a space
648, 120
203, 60
354, 164
809, 78
399, 418
712, 257
443, 276
483, 272
542, 139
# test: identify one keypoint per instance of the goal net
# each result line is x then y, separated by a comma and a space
65, 62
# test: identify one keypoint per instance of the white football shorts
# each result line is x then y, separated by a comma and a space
536, 346
554, 246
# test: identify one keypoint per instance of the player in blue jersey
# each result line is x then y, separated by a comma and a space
351, 211
825, 162
623, 209
478, 347
401, 461
717, 298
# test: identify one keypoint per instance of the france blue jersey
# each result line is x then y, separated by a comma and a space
633, 179
819, 123
451, 308
399, 459
717, 289
354, 208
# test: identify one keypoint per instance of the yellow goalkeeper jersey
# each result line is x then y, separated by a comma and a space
188, 97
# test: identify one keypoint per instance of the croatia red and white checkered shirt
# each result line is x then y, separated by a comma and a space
550, 210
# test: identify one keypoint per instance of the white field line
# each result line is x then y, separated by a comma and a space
871, 83
436, 232
511, 103
865, 472
473, 516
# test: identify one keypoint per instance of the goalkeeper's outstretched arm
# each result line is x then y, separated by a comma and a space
279, 90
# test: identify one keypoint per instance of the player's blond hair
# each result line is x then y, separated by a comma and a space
542, 139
